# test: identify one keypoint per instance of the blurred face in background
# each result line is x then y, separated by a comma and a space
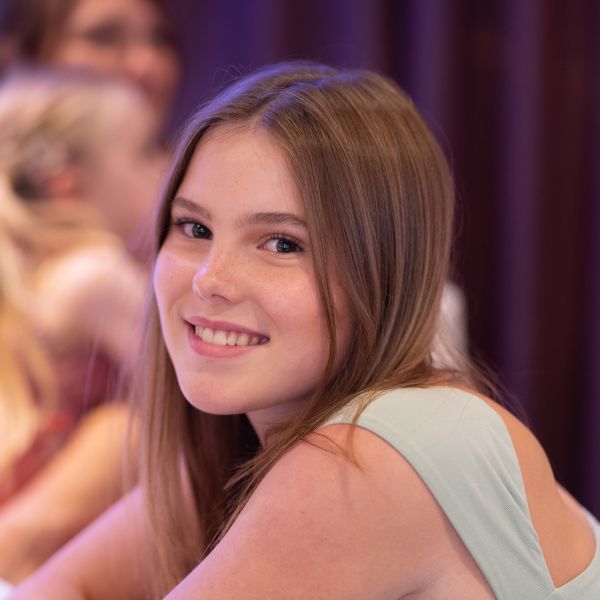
128, 38
123, 177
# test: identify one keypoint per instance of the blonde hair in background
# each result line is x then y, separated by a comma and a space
54, 118
48, 121
21, 356
379, 206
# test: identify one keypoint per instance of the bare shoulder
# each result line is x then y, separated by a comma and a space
306, 528
83, 290
86, 270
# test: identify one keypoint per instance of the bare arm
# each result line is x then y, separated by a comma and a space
93, 295
82, 481
318, 527
105, 561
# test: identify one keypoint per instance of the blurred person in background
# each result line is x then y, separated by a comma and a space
80, 164
128, 39
133, 39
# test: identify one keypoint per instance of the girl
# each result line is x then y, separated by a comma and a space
299, 441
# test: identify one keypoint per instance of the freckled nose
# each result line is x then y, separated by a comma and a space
215, 278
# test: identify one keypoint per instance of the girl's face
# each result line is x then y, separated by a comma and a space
236, 290
122, 37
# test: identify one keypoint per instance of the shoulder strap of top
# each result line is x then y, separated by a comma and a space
462, 450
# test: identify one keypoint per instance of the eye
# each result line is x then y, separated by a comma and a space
280, 244
104, 34
193, 229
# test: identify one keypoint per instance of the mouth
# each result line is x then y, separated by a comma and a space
223, 337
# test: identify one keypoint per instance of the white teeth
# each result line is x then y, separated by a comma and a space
242, 340
226, 338
220, 338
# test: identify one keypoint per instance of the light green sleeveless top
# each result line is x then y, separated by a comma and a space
463, 452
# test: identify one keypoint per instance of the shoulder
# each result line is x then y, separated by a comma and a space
97, 266
85, 290
307, 525
434, 420
455, 439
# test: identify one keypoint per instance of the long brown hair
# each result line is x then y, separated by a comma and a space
379, 205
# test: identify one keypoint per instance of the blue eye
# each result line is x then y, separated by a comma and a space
282, 245
196, 230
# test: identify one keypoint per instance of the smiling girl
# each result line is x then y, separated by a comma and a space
299, 440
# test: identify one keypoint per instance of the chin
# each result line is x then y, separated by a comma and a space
216, 408
214, 404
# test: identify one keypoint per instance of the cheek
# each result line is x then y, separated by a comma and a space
296, 305
169, 280
103, 177
167, 71
126, 186
80, 55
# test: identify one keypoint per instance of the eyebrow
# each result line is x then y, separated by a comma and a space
262, 218
274, 218
191, 206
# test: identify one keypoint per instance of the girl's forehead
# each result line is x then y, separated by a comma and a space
244, 164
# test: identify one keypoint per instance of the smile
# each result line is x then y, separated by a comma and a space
220, 337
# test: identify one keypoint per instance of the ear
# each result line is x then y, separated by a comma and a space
66, 183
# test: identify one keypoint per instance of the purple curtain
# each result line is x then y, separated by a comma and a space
512, 89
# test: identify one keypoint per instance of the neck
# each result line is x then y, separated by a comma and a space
262, 420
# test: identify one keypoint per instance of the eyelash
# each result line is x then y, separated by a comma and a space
280, 237
183, 223
286, 238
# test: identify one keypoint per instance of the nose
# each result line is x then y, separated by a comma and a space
217, 278
140, 63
